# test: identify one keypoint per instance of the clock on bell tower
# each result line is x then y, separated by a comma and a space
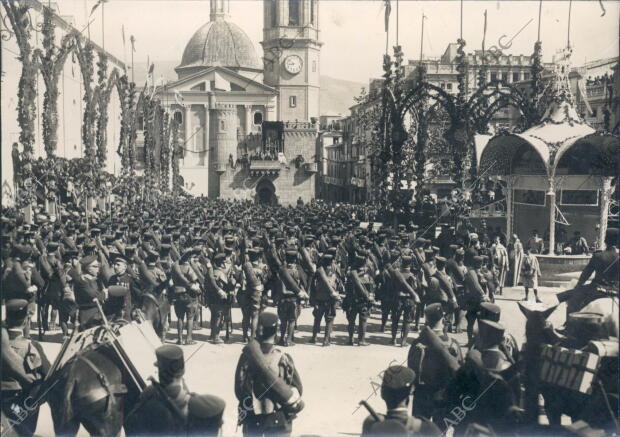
292, 56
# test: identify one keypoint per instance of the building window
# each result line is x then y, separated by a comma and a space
293, 12
442, 85
273, 12
594, 112
526, 76
493, 75
140, 123
314, 66
449, 86
222, 125
505, 77
178, 117
515, 77
258, 118
292, 101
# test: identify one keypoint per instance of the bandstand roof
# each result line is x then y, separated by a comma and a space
560, 130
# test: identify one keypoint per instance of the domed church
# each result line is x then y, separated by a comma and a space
249, 125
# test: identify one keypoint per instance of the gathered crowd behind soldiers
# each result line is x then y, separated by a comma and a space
199, 253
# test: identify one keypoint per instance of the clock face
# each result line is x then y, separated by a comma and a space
293, 64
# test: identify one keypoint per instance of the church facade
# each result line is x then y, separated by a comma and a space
249, 127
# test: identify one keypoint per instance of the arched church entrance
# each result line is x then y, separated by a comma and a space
266, 193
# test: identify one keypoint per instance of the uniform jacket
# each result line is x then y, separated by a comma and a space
605, 267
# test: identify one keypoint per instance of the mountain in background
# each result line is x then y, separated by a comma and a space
336, 94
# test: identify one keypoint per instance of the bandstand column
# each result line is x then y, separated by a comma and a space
551, 202
605, 193
509, 183
188, 130
248, 120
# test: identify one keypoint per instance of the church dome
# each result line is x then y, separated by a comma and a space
220, 43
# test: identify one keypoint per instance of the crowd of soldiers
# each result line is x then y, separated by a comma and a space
212, 253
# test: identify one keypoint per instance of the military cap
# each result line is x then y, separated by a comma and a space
118, 234
206, 407
108, 239
430, 253
80, 239
118, 291
327, 259
406, 261
454, 246
440, 261
69, 253
129, 251
152, 256
88, 260
433, 313
280, 240
359, 261
473, 236
398, 378
94, 232
176, 235
229, 240
460, 251
252, 232
16, 305
291, 254
490, 332
166, 239
253, 253
22, 251
52, 246
478, 260
219, 258
170, 360
332, 250
267, 326
489, 311
421, 241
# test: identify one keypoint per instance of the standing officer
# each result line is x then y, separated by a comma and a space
251, 294
324, 296
290, 295
218, 297
123, 278
88, 287
267, 384
23, 364
17, 281
404, 299
475, 294
358, 300
186, 292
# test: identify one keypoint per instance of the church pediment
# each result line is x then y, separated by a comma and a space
219, 79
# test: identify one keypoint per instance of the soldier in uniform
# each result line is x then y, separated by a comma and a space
250, 296
359, 299
384, 289
441, 290
509, 346
324, 295
289, 297
455, 267
88, 288
428, 361
168, 408
267, 384
475, 294
396, 388
17, 282
23, 364
404, 301
123, 278
186, 292
219, 296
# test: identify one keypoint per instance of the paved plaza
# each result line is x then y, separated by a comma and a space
335, 378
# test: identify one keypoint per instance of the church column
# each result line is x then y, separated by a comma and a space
605, 194
551, 202
270, 111
248, 119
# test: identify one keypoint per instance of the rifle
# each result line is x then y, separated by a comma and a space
372, 411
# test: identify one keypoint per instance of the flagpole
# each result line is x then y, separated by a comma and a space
397, 22
422, 40
132, 50
102, 26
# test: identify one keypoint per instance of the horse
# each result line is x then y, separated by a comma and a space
95, 389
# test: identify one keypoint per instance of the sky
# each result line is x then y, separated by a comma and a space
353, 31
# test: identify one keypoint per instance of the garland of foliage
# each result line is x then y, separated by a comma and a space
123, 98
18, 13
133, 129
164, 154
51, 65
103, 91
148, 117
85, 58
176, 152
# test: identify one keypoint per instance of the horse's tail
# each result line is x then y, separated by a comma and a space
67, 412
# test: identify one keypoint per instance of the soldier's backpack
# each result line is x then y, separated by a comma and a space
428, 364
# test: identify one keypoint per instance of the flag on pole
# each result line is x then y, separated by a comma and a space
388, 11
149, 75
99, 2
178, 98
132, 40
123, 34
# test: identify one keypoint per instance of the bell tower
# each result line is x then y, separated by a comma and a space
292, 56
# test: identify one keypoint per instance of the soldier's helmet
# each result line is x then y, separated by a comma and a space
16, 312
489, 311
